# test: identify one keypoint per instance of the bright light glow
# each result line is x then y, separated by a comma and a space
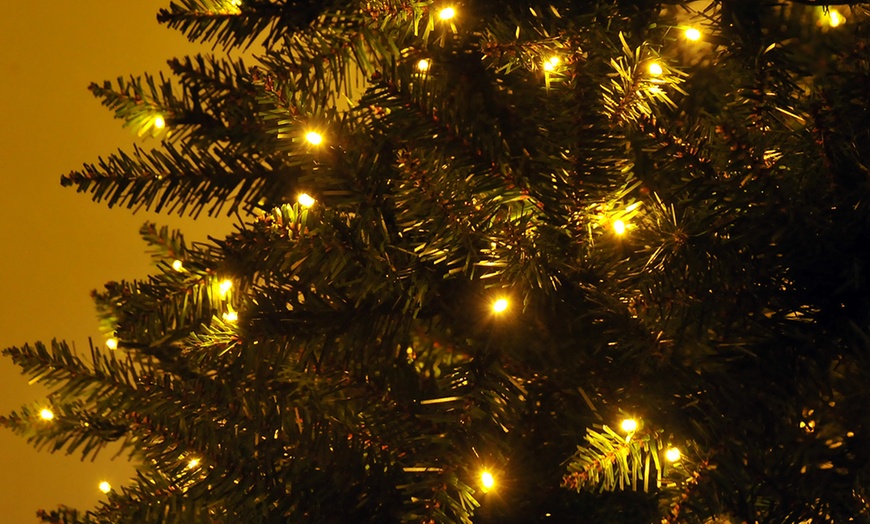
629, 425
500, 305
305, 200
112, 343
231, 316
447, 13
487, 481
619, 227
177, 265
835, 19
105, 487
423, 65
314, 138
655, 69
693, 34
159, 123
672, 454
46, 414
225, 287
192, 463
551, 63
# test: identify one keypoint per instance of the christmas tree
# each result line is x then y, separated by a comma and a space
603, 261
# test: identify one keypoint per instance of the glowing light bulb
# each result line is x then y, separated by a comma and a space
487, 481
314, 138
159, 122
656, 69
551, 63
672, 454
629, 425
231, 316
46, 414
192, 463
447, 13
692, 34
112, 343
105, 487
500, 305
423, 65
305, 200
835, 19
177, 265
225, 287
619, 227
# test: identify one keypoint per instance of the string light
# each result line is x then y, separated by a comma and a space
159, 122
692, 34
423, 65
314, 138
672, 454
487, 481
835, 19
112, 343
225, 287
192, 463
551, 63
619, 227
447, 13
177, 265
655, 69
305, 200
629, 425
231, 316
46, 414
105, 487
500, 305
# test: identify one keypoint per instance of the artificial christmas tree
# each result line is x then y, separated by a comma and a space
599, 261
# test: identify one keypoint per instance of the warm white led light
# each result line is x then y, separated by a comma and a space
231, 316
112, 343
693, 34
177, 265
105, 487
672, 454
487, 481
500, 305
447, 13
619, 227
46, 414
423, 65
656, 69
159, 122
305, 200
225, 287
629, 425
314, 138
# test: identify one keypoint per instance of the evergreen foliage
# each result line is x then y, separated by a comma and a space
681, 229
